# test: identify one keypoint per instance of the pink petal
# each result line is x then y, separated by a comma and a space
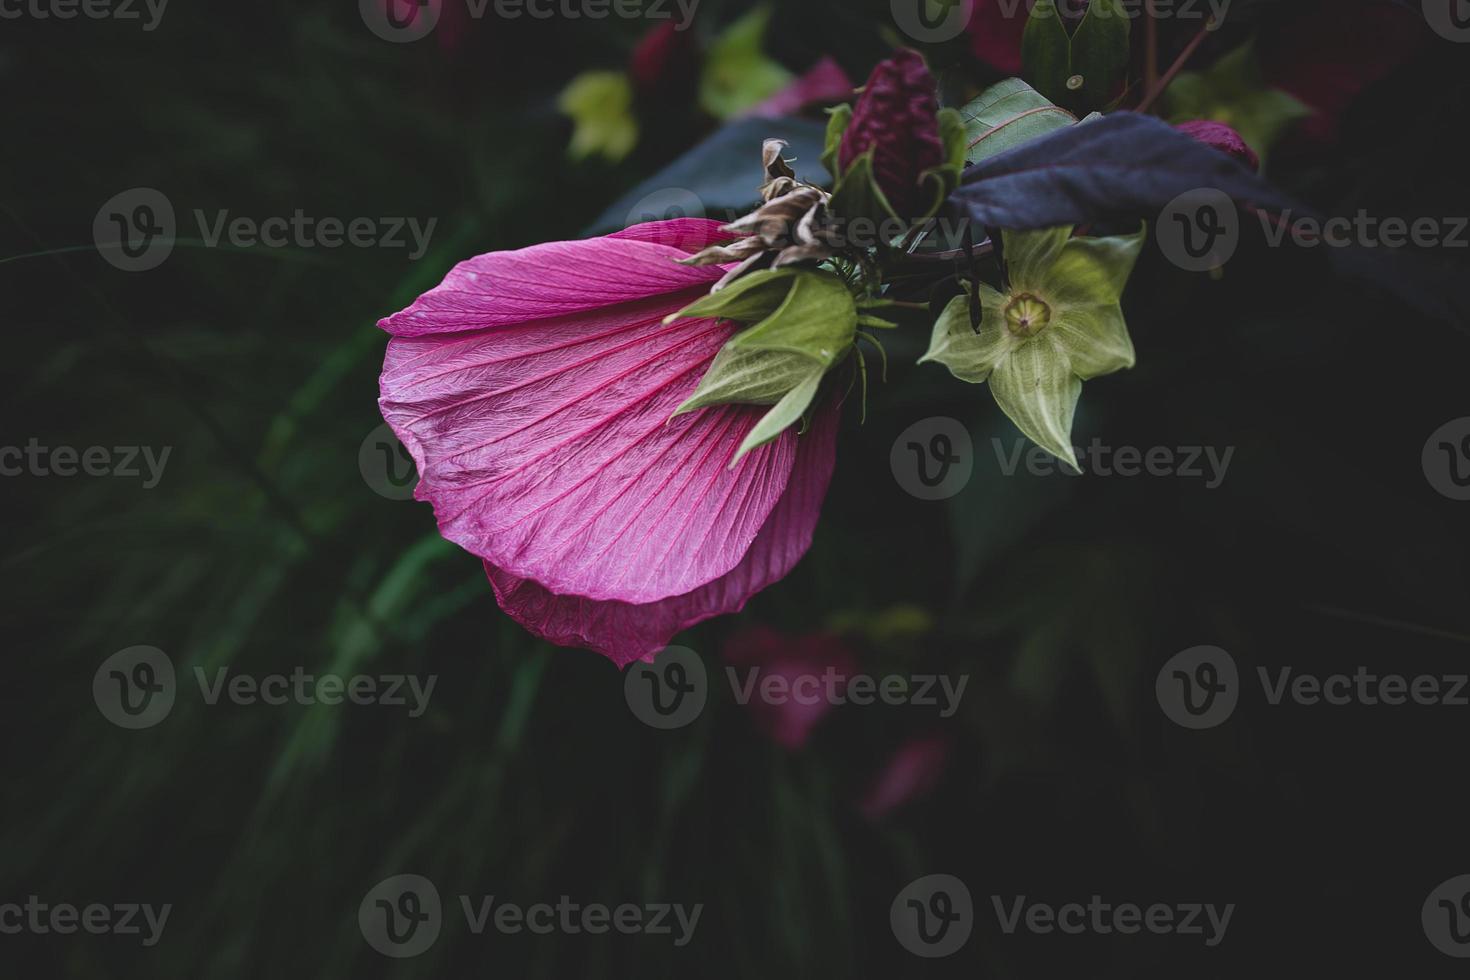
560, 278
541, 422
626, 632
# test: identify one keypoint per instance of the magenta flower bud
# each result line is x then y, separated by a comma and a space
897, 118
666, 62
1222, 138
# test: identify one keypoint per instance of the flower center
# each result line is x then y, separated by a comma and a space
1026, 315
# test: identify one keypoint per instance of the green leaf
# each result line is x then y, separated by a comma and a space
1008, 114
837, 121
737, 74
1046, 51
1100, 52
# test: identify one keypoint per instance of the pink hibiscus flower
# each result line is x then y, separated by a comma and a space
535, 390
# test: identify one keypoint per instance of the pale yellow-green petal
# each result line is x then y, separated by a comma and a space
1095, 340
1037, 390
600, 104
1093, 270
1030, 255
971, 356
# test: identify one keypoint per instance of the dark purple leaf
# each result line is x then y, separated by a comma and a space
1121, 166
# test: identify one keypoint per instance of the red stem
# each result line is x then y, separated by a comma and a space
1176, 67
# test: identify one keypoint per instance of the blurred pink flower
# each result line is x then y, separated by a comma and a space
910, 773
995, 30
534, 390
1328, 52
825, 83
666, 63
759, 652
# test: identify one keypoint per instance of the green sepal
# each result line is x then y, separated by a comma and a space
784, 413
952, 135
816, 319
857, 194
946, 177
804, 322
748, 299
748, 377
837, 120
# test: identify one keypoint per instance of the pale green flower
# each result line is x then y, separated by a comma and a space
1060, 324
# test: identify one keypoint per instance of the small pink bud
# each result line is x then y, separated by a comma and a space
1222, 138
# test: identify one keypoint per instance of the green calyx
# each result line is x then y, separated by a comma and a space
1059, 324
803, 322
855, 192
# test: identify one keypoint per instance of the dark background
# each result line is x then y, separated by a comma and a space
262, 549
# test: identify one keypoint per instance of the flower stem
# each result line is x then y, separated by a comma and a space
1163, 84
